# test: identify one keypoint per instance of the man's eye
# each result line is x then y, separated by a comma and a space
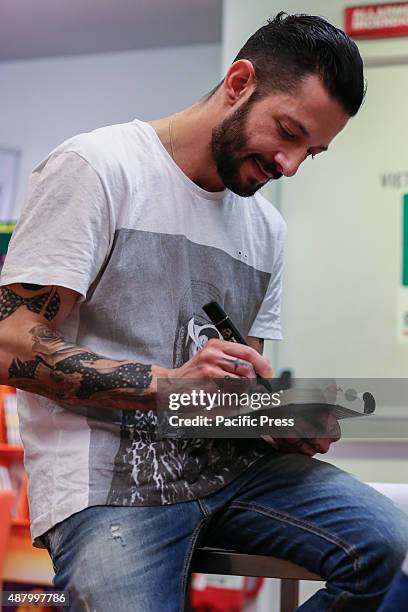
286, 133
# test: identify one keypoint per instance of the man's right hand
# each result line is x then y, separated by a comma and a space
220, 359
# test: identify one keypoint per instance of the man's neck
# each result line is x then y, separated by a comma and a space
187, 138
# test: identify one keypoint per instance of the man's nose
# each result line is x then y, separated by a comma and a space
289, 163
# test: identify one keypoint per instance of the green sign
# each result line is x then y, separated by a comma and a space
6, 229
405, 240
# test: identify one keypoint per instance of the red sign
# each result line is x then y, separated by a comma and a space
377, 20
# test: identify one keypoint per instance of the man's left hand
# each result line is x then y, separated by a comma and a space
309, 445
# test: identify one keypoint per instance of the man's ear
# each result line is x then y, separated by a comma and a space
239, 81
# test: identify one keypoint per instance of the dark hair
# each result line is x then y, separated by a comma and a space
290, 47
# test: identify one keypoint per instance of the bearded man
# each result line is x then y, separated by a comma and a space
127, 232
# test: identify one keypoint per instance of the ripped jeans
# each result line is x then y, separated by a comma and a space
285, 505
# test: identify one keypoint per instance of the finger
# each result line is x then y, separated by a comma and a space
318, 426
219, 373
238, 367
314, 416
296, 445
244, 353
321, 445
324, 445
333, 428
269, 440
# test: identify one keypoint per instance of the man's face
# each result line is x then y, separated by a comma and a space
268, 138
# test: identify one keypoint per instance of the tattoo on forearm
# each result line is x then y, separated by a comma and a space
47, 304
64, 371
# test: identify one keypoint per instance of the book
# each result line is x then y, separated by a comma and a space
11, 419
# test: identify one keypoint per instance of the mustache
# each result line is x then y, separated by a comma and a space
269, 167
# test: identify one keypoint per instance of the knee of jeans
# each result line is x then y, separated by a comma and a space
370, 566
383, 558
393, 554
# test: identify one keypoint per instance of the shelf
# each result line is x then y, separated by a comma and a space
20, 523
24, 563
11, 452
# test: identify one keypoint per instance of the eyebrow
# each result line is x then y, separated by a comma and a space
304, 131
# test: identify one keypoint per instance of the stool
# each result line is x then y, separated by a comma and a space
231, 563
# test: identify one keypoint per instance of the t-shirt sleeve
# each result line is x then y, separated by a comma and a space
267, 323
66, 227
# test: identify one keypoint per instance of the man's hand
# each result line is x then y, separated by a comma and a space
309, 445
219, 359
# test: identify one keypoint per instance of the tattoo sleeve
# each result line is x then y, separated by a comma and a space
72, 375
32, 287
46, 304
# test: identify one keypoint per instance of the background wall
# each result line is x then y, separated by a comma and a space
240, 20
45, 101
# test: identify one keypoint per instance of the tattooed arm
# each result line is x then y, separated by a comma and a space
35, 357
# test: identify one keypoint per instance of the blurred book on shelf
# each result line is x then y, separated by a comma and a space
5, 482
11, 418
9, 424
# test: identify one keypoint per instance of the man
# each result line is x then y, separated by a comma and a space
128, 231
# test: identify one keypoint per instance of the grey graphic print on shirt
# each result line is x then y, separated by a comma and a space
148, 301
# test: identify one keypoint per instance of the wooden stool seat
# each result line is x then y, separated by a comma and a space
231, 563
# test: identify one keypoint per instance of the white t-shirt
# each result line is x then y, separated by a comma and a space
110, 215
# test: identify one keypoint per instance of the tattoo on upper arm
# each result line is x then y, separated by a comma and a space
64, 371
261, 345
32, 287
47, 303
53, 306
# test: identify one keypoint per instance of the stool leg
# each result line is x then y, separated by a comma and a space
187, 602
289, 598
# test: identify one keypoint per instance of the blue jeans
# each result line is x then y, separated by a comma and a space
397, 597
289, 506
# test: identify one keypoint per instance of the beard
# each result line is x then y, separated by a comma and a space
229, 143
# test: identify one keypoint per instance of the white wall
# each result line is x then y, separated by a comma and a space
45, 101
241, 19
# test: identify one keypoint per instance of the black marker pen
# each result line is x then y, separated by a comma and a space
228, 331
